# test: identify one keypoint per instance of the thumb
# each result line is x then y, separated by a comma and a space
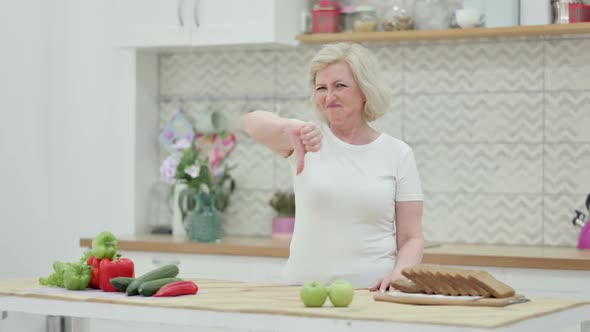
298, 148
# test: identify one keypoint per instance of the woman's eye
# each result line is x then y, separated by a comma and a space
319, 88
340, 85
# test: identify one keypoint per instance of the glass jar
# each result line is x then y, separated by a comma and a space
347, 17
365, 19
204, 222
160, 209
399, 16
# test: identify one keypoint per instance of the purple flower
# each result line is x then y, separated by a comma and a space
168, 168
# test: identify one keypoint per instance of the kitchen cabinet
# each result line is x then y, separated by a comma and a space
150, 23
542, 282
549, 283
222, 267
186, 23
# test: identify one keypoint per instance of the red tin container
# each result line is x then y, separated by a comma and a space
326, 19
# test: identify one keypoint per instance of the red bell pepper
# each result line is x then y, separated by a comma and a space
94, 279
117, 267
178, 288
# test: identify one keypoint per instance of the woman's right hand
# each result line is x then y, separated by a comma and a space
305, 138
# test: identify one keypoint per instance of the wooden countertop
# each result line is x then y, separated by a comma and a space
236, 299
540, 257
226, 304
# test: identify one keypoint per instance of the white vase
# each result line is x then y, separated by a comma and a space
178, 229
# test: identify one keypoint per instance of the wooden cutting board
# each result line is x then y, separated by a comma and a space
424, 299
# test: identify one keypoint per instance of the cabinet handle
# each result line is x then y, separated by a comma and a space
179, 13
195, 16
158, 262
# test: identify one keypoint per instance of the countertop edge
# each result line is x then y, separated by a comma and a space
507, 262
450, 258
198, 248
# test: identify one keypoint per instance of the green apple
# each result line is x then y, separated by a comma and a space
314, 294
341, 293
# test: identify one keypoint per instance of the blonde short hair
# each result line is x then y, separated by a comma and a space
365, 71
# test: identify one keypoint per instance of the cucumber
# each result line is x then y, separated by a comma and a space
150, 288
121, 283
165, 271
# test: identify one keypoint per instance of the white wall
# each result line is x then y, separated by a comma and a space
67, 129
24, 185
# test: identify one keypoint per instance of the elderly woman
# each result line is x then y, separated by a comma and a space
358, 193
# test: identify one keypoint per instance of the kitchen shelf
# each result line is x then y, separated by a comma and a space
447, 34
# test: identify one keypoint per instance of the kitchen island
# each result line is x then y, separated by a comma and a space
264, 307
561, 272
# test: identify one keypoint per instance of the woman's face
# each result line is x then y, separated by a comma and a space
338, 94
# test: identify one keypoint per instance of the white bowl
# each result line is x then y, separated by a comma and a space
467, 18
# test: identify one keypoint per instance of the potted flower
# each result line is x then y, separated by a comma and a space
283, 202
203, 185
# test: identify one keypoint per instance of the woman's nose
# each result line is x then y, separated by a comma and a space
330, 96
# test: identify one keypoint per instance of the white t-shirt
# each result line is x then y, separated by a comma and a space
345, 209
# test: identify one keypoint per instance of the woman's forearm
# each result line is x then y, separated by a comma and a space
409, 234
269, 129
409, 254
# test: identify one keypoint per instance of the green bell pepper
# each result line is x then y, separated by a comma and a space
77, 276
104, 245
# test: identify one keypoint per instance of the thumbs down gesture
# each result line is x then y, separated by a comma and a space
305, 138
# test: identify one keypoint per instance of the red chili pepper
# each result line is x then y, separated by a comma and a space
94, 280
178, 288
118, 267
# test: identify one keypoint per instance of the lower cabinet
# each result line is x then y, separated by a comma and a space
542, 282
549, 283
222, 267
22, 322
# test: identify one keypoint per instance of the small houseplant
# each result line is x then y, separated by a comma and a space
283, 202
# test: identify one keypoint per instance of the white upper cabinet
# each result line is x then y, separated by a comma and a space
151, 23
171, 23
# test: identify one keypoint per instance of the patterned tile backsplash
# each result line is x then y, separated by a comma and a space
500, 129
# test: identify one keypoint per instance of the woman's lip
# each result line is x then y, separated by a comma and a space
333, 106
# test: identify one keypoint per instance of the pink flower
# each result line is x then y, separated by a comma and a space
215, 156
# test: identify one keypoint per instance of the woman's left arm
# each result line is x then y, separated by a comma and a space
410, 241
